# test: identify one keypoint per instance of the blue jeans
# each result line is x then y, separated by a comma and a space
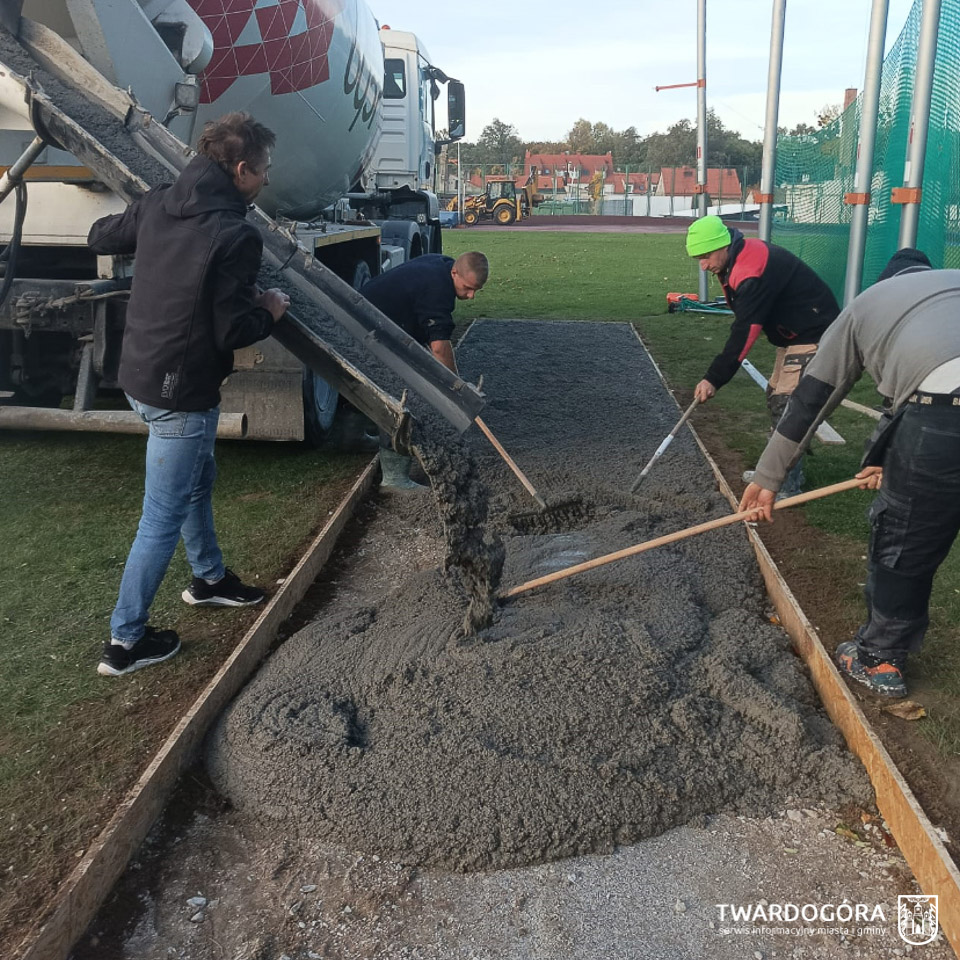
915, 520
177, 501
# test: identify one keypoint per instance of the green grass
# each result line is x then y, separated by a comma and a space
574, 276
71, 741
69, 513
626, 277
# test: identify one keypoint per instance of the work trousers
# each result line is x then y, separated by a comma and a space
787, 370
177, 502
915, 519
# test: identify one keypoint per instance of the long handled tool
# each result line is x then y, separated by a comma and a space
825, 433
521, 476
679, 535
658, 453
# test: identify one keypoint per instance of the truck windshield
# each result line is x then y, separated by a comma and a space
395, 80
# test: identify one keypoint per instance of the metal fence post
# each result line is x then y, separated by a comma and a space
769, 171
702, 127
860, 197
909, 195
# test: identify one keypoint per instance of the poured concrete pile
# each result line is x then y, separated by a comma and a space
598, 710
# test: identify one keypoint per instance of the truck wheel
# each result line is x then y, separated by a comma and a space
505, 215
471, 217
320, 402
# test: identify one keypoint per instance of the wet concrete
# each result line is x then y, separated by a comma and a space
600, 710
97, 121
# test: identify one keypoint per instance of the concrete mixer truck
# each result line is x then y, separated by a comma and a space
353, 109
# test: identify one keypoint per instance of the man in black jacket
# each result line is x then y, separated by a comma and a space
194, 301
772, 292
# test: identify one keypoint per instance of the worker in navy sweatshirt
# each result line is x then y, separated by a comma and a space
419, 297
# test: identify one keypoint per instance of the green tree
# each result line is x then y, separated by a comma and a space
580, 137
678, 146
500, 143
827, 114
547, 146
598, 138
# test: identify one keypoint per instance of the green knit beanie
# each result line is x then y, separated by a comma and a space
706, 235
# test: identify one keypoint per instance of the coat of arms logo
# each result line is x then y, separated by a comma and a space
917, 918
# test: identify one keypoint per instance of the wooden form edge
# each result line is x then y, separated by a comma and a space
84, 891
932, 865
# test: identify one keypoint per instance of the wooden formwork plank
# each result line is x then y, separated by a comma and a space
83, 892
932, 865
929, 860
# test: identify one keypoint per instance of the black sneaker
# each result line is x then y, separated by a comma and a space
226, 592
154, 646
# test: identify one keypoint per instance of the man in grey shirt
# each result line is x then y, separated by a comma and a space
905, 332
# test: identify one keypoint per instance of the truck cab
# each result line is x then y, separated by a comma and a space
401, 173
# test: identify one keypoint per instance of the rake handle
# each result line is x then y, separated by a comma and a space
666, 443
521, 476
680, 535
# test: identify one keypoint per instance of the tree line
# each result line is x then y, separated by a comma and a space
500, 144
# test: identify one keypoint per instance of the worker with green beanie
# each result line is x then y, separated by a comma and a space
772, 292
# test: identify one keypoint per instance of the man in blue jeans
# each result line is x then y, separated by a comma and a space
905, 333
194, 301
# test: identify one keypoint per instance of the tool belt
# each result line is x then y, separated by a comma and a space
934, 399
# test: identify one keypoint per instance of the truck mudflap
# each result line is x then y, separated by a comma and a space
452, 397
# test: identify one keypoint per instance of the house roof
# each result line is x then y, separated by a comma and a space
681, 181
574, 164
543, 182
639, 182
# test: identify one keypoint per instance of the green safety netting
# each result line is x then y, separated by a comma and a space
815, 171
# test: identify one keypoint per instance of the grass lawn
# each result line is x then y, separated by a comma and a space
71, 742
626, 277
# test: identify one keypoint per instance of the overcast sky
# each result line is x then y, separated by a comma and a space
541, 66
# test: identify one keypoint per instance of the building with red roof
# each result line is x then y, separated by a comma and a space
572, 167
640, 183
722, 182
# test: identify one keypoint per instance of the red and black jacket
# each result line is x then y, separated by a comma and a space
770, 291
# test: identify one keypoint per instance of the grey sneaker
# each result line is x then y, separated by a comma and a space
154, 646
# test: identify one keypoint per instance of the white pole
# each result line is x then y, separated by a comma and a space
459, 186
860, 197
702, 126
909, 196
769, 170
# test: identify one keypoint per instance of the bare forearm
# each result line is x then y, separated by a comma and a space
443, 351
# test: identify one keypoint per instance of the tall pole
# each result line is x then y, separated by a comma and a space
860, 197
769, 169
910, 193
460, 189
702, 125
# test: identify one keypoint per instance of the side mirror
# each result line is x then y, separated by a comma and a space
456, 110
